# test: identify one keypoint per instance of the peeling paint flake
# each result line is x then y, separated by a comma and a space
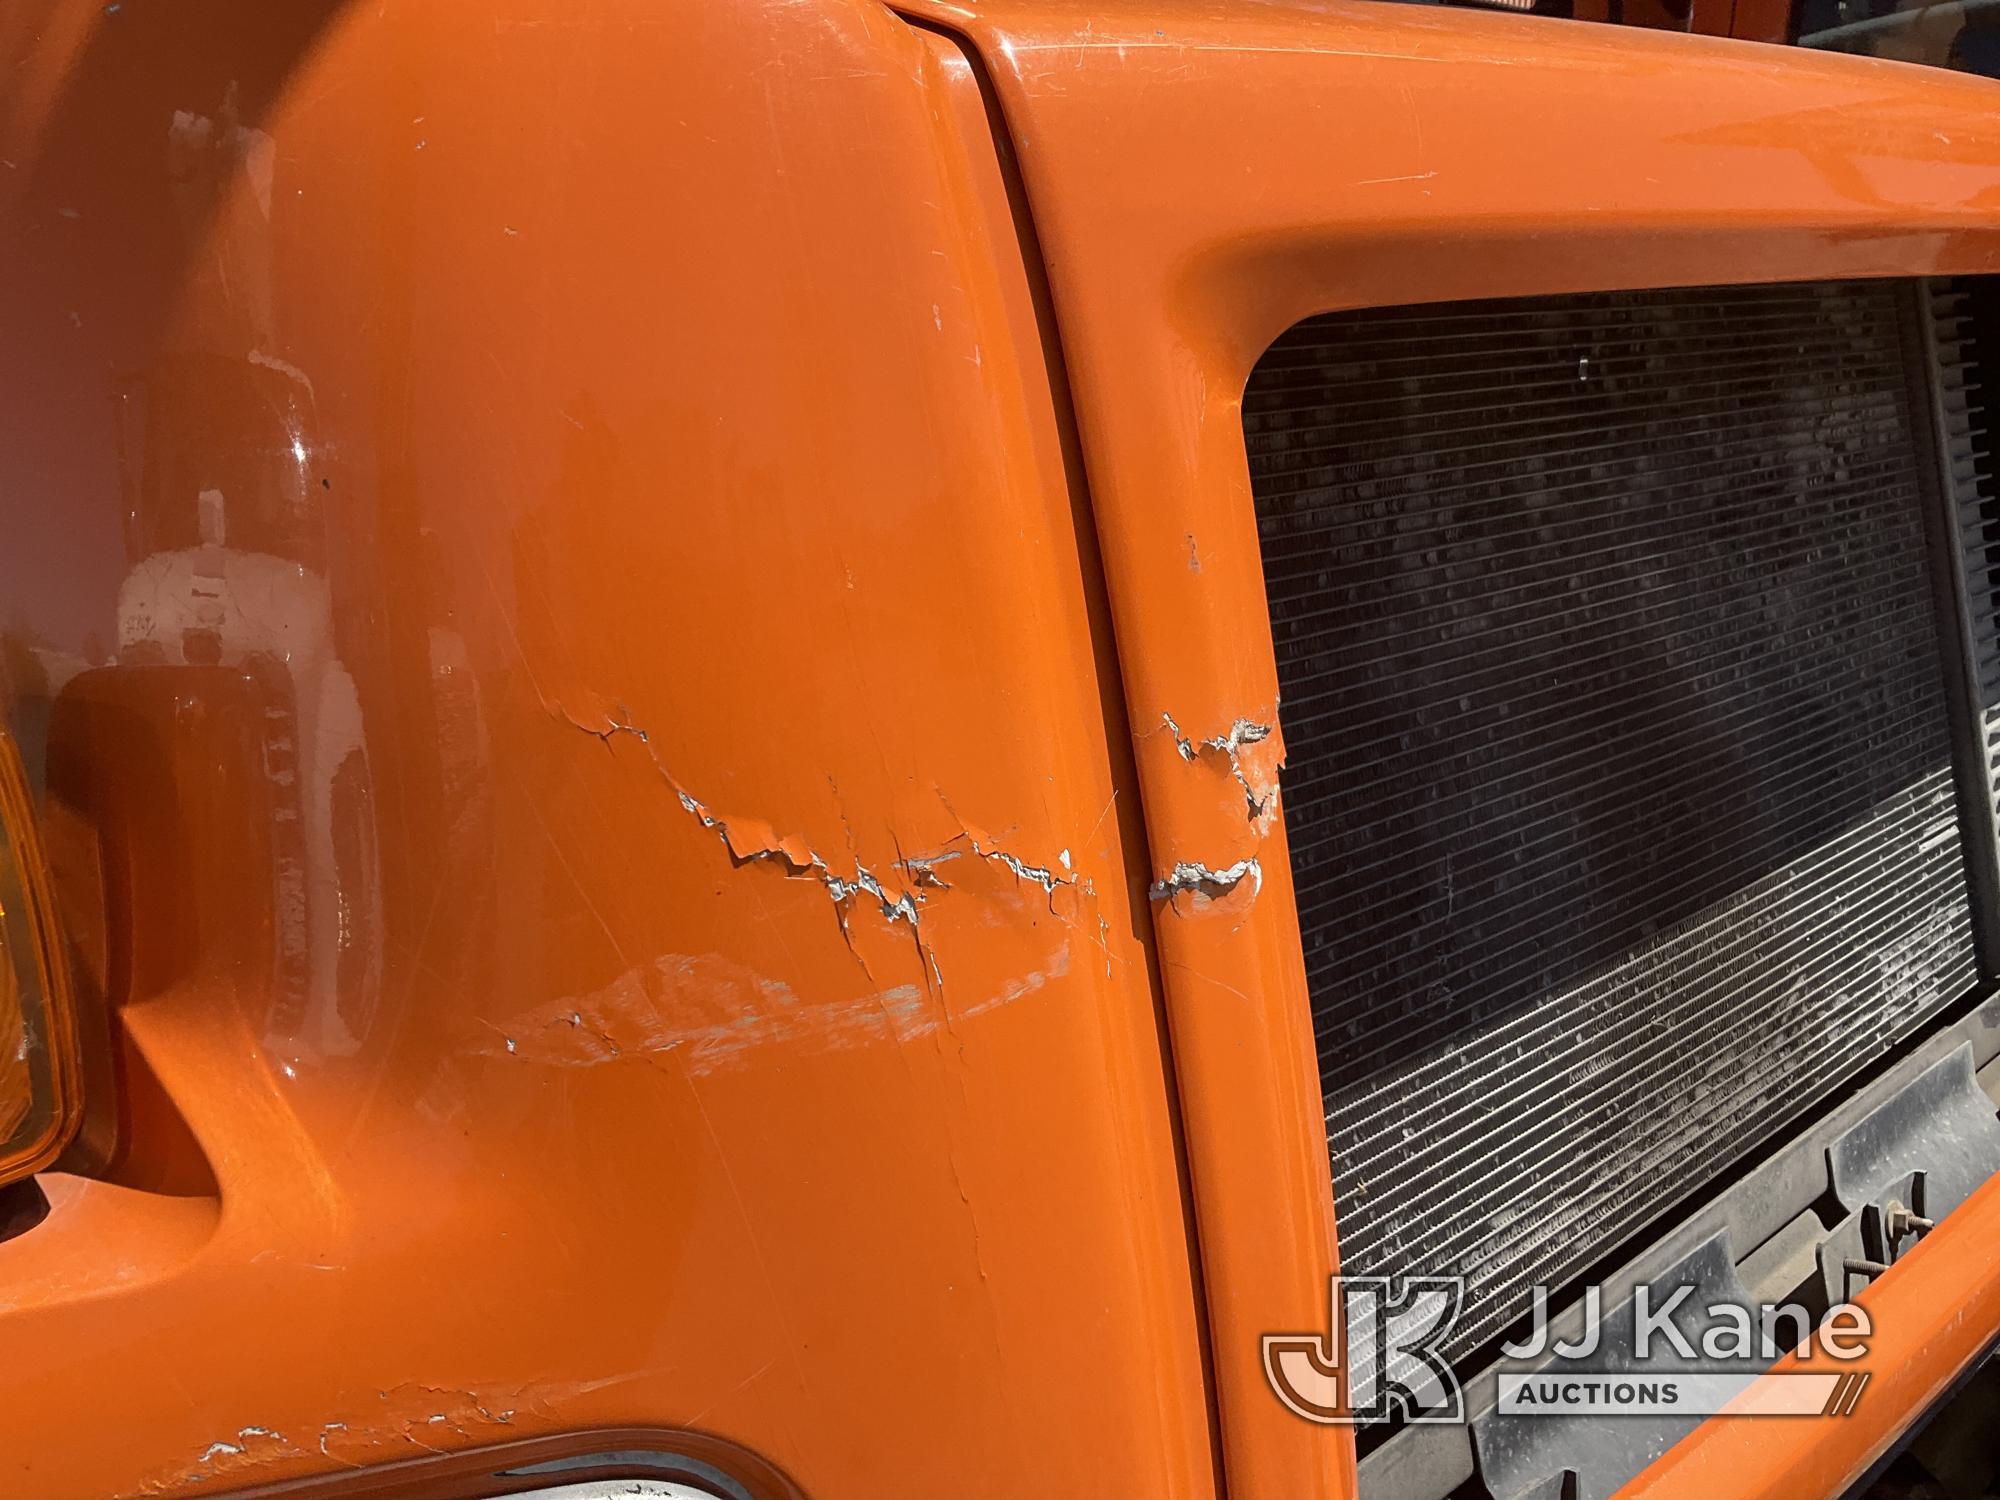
753, 841
1203, 882
248, 1447
402, 1421
1256, 775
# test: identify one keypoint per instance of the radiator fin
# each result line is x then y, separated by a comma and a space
1967, 316
1619, 792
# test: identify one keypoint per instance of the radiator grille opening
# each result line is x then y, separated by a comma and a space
1967, 314
1620, 787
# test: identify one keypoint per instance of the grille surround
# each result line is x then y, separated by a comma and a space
1410, 454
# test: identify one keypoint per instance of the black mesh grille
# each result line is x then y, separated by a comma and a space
1619, 792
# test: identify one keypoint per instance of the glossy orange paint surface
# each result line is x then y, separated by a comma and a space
594, 735
1203, 177
540, 552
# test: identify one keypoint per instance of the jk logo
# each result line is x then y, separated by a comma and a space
1378, 1358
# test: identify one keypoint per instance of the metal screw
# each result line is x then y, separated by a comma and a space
1901, 1221
1865, 1270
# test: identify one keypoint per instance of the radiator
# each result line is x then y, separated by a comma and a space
1624, 815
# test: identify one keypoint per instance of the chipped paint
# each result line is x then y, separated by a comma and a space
250, 1446
404, 1421
750, 841
1049, 878
1256, 774
1205, 883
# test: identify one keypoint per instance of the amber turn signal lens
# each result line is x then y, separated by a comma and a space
40, 1096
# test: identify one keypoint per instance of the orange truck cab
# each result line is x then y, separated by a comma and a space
798, 749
